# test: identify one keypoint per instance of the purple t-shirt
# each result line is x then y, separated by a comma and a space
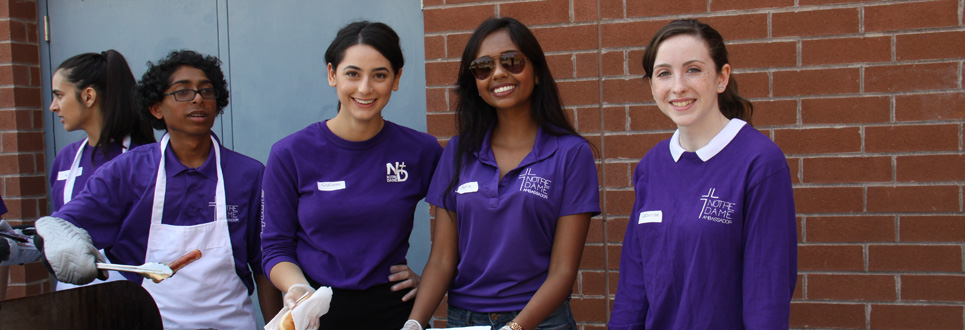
711, 242
115, 204
65, 158
343, 210
506, 227
3, 207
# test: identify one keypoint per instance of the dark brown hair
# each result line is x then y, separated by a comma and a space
730, 103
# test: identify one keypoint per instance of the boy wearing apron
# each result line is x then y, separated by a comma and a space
160, 201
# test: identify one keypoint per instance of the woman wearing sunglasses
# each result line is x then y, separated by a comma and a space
340, 195
514, 193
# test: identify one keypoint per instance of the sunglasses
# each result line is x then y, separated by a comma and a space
483, 67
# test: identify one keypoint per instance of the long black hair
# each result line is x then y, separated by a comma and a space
376, 34
474, 116
108, 74
731, 104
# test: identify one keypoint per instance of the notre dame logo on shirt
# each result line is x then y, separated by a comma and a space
534, 184
396, 172
715, 209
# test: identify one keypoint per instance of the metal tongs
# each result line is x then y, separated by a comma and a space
155, 271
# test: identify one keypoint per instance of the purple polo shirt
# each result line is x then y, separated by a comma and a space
711, 242
3, 207
65, 158
343, 210
115, 205
506, 227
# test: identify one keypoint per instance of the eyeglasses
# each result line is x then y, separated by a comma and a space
483, 67
185, 95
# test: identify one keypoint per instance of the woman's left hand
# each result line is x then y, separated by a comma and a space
406, 278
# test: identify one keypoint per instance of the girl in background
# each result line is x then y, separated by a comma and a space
93, 92
711, 242
514, 193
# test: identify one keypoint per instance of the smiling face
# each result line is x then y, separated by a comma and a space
685, 82
364, 82
194, 117
70, 105
503, 89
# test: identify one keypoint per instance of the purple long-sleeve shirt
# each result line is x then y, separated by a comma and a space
343, 210
116, 202
711, 242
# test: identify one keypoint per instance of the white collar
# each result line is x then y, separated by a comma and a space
713, 147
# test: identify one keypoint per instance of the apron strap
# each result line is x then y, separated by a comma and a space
73, 172
160, 186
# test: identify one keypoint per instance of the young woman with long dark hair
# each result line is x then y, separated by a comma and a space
341, 194
514, 192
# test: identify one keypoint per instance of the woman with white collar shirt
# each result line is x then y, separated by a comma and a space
711, 242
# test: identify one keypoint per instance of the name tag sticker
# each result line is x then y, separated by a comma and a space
331, 185
468, 187
650, 217
62, 175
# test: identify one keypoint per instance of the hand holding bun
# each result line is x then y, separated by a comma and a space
287, 322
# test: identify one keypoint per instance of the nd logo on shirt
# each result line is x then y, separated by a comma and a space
534, 184
396, 173
716, 210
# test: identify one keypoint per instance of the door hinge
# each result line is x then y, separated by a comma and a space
46, 29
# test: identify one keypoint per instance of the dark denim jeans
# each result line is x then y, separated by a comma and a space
559, 319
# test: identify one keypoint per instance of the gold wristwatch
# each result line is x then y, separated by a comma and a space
513, 325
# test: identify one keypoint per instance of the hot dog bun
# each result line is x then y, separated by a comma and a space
287, 322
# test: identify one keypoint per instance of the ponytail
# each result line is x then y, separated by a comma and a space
109, 75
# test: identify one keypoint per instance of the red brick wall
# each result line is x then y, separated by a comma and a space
23, 182
864, 97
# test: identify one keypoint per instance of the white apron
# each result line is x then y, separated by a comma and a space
206, 293
72, 175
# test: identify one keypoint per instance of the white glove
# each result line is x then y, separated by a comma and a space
505, 328
69, 251
412, 325
296, 293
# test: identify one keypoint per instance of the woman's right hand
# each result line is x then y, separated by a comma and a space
412, 325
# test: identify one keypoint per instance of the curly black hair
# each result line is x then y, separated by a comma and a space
157, 79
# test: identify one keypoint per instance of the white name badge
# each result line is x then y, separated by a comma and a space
468, 187
650, 217
331, 185
62, 175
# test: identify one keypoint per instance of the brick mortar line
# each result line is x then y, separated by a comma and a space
870, 244
756, 11
813, 67
881, 185
533, 27
922, 303
826, 126
472, 4
916, 274
882, 155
